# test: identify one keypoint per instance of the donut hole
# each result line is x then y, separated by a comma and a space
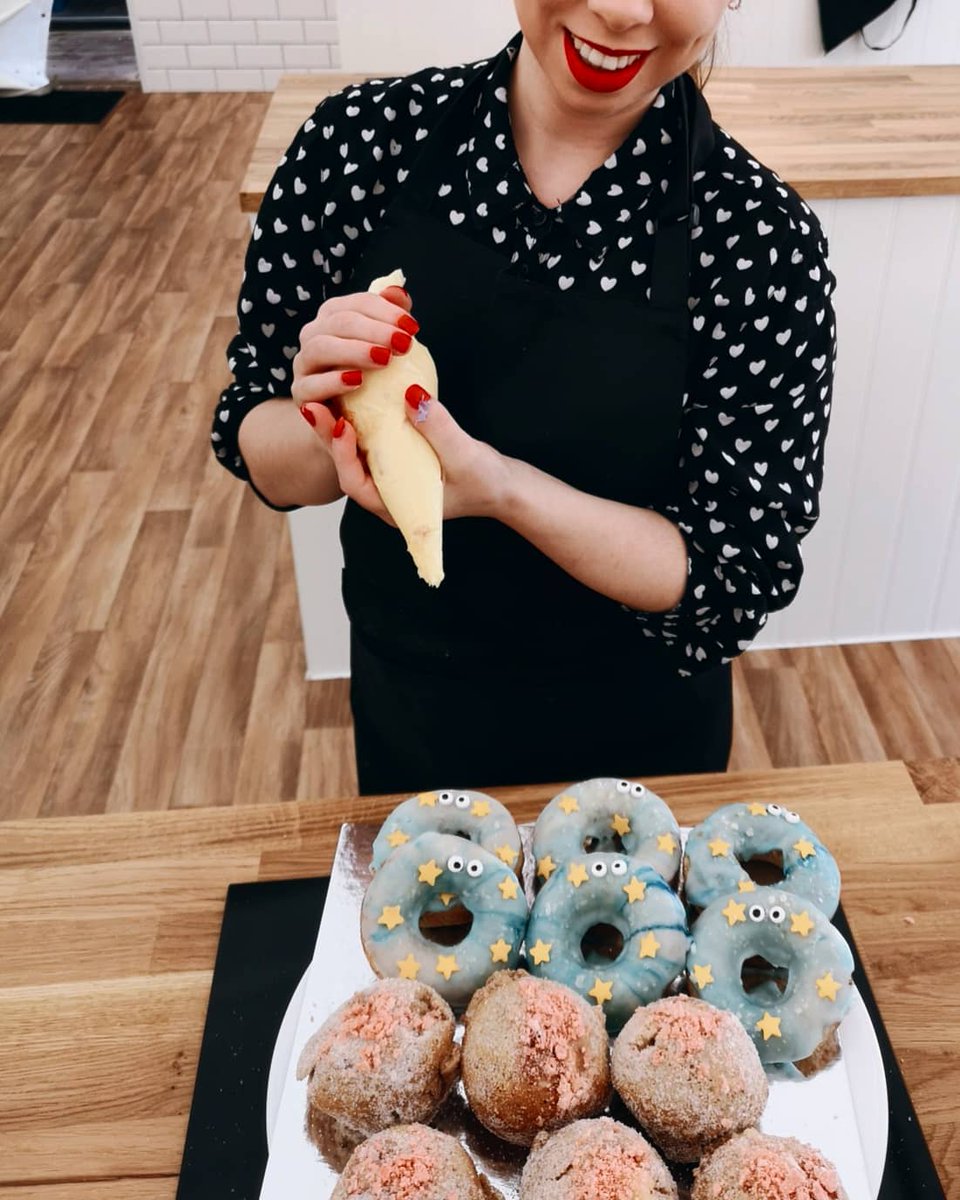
764, 869
604, 844
758, 973
601, 944
448, 928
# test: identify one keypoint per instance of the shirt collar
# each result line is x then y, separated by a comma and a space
633, 179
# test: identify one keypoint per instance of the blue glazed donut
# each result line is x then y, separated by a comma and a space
789, 932
472, 815
737, 833
609, 889
606, 816
417, 873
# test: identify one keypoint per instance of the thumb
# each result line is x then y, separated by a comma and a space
430, 417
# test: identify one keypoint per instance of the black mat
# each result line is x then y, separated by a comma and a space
58, 108
266, 942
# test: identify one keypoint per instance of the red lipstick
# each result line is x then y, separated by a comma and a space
596, 79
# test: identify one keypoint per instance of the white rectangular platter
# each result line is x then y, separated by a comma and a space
842, 1110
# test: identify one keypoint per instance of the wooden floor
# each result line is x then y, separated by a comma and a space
151, 650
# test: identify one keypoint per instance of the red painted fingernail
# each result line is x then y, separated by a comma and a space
416, 395
380, 355
410, 324
339, 427
352, 378
308, 415
400, 342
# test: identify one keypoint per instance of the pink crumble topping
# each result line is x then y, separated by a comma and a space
394, 1175
684, 1028
782, 1175
374, 1018
608, 1171
554, 1026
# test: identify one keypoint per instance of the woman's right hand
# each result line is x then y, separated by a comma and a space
350, 336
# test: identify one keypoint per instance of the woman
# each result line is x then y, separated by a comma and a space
633, 329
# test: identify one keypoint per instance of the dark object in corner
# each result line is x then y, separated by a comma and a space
841, 19
58, 108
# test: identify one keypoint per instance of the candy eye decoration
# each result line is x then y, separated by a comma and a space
756, 912
445, 798
462, 802
774, 810
778, 915
638, 789
474, 868
623, 785
790, 816
618, 867
455, 864
598, 869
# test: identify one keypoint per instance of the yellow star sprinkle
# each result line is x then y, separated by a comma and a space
635, 889
429, 872
718, 847
499, 951
569, 804
734, 912
667, 843
649, 946
481, 808
703, 975
800, 923
446, 897
577, 874
427, 800
540, 953
390, 917
508, 887
408, 967
602, 990
446, 965
804, 848
757, 810
546, 866
746, 885
827, 987
769, 1027
397, 838
620, 825
506, 854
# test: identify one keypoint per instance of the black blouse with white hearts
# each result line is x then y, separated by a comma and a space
763, 343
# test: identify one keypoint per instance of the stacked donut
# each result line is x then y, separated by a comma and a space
701, 993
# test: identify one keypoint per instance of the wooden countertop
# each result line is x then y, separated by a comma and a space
109, 927
830, 132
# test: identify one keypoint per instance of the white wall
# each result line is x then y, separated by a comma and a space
231, 45
245, 45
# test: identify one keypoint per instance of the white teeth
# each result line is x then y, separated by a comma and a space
604, 61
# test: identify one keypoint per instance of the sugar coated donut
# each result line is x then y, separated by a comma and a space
789, 933
471, 815
442, 865
737, 833
386, 1057
535, 1056
606, 815
595, 1160
412, 1161
608, 890
690, 1075
757, 1166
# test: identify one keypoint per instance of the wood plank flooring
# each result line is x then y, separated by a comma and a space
151, 649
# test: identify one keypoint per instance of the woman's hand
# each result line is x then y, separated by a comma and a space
349, 336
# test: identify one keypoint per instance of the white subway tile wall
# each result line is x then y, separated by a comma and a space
231, 45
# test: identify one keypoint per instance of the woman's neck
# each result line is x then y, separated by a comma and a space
547, 129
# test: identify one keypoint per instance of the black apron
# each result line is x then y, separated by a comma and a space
840, 19
511, 671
